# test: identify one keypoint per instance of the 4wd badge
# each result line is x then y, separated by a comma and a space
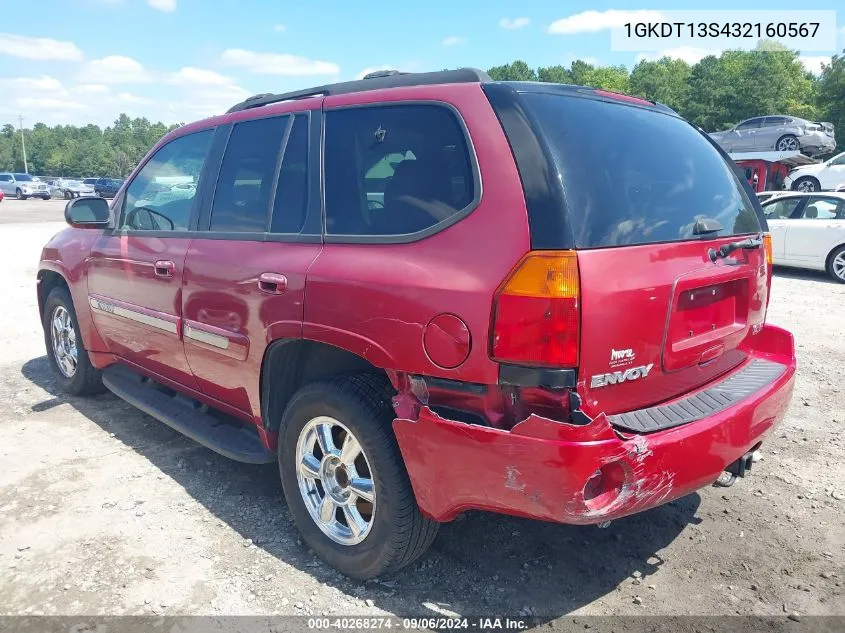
634, 373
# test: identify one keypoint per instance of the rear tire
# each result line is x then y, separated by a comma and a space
396, 533
836, 265
787, 143
806, 184
80, 378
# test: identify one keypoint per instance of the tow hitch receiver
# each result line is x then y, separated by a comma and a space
738, 469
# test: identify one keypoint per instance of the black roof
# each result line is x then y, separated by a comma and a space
373, 81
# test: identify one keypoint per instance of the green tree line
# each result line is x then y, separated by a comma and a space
714, 93
80, 151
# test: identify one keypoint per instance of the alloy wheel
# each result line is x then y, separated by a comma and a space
789, 144
335, 480
838, 265
63, 338
806, 185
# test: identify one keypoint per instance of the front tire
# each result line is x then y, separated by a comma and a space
19, 194
337, 450
787, 143
68, 358
806, 184
836, 265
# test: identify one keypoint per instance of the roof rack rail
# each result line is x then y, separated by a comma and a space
373, 81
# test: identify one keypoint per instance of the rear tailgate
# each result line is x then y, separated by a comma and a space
648, 203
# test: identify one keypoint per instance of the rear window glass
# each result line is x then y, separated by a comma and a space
635, 176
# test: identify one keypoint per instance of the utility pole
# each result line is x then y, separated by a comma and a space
23, 145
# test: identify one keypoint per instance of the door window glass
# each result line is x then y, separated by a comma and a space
245, 184
160, 197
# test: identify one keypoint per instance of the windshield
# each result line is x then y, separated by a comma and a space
23, 177
636, 176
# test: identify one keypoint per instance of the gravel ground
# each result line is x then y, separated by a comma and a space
103, 510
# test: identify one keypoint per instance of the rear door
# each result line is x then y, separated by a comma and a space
245, 271
135, 271
649, 202
746, 135
815, 231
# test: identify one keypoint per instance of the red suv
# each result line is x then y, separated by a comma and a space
429, 293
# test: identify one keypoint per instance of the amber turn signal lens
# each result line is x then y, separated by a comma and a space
767, 244
553, 275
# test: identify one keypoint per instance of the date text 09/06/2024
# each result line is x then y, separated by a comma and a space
486, 623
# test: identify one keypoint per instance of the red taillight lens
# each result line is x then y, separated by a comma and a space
536, 318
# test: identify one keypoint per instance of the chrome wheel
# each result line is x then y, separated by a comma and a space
806, 185
838, 265
63, 338
335, 480
787, 144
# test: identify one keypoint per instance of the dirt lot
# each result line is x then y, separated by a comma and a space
105, 511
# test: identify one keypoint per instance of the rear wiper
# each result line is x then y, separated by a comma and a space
726, 249
705, 226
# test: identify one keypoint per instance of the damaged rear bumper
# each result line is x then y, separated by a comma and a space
550, 470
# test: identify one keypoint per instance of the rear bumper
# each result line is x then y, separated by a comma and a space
540, 467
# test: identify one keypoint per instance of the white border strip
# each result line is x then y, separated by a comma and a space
209, 338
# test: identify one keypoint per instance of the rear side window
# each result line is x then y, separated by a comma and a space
291, 201
635, 176
395, 170
245, 183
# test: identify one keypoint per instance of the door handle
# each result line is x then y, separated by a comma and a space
164, 268
272, 283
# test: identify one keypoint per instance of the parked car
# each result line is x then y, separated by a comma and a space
23, 186
405, 358
107, 187
90, 181
778, 133
65, 188
2, 195
808, 231
823, 176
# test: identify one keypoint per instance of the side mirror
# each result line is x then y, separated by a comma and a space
87, 213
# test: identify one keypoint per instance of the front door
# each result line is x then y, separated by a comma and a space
135, 270
245, 271
779, 212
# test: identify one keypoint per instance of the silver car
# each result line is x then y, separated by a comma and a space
778, 133
65, 188
23, 186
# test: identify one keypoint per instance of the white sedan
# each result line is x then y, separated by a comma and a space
825, 176
808, 231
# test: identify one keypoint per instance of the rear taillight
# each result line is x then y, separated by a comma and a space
536, 319
767, 245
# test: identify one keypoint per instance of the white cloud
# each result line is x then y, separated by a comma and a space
454, 40
163, 5
514, 23
91, 89
372, 69
115, 69
47, 103
690, 54
592, 21
280, 28
277, 63
813, 63
38, 48
198, 77
44, 83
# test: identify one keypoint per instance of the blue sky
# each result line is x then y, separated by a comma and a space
81, 61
